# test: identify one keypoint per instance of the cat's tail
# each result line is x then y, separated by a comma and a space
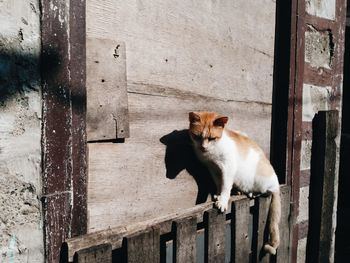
274, 219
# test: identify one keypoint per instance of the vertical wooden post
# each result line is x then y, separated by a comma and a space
144, 247
77, 41
215, 235
240, 230
262, 206
185, 243
64, 144
283, 251
56, 142
99, 253
323, 187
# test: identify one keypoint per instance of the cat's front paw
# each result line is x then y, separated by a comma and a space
221, 203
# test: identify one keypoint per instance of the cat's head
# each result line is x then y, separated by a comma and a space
206, 128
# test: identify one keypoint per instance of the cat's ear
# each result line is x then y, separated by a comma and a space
221, 121
194, 117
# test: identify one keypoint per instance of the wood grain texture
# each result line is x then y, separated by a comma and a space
193, 45
240, 230
181, 57
144, 237
297, 63
157, 161
114, 236
263, 205
283, 251
327, 124
77, 32
185, 240
107, 101
95, 254
144, 246
215, 236
56, 126
57, 227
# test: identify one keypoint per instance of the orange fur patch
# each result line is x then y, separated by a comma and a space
264, 167
203, 126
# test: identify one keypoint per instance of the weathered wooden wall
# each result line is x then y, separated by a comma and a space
180, 56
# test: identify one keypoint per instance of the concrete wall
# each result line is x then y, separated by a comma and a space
21, 232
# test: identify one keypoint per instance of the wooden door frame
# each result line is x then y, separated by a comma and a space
301, 72
287, 102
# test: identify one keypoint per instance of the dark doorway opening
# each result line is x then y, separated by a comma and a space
280, 89
281, 84
342, 242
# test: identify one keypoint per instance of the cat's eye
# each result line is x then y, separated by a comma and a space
211, 139
196, 137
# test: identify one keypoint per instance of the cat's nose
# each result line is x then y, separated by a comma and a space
203, 148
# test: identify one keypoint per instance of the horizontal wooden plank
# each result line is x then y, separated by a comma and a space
193, 45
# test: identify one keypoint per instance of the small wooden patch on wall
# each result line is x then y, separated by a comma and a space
107, 102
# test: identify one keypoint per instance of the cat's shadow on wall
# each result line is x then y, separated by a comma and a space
180, 156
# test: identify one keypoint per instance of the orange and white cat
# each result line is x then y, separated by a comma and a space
234, 160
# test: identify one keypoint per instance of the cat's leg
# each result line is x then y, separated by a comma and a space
225, 191
215, 175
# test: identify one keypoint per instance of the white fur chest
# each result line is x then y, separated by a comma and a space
238, 169
222, 152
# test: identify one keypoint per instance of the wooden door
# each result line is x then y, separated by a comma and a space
180, 56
